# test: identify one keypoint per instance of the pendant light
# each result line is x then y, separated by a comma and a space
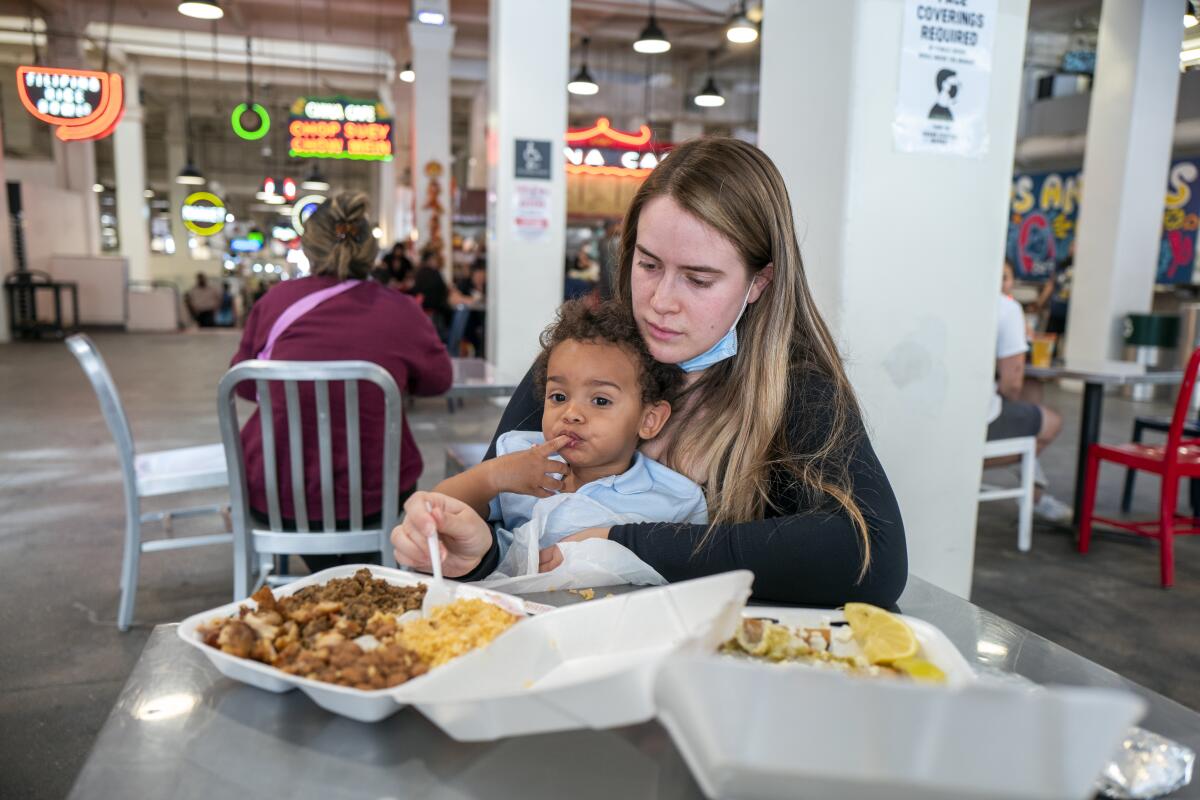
741, 30
709, 96
189, 175
407, 75
582, 83
315, 181
652, 40
201, 9
1189, 15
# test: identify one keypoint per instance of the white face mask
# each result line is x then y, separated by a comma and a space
725, 347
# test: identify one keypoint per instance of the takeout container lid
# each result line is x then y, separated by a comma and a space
359, 704
759, 730
588, 665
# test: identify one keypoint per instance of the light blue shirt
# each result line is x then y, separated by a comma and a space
646, 492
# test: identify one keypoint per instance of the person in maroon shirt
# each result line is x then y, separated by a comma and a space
364, 321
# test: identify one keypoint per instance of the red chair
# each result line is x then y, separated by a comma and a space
1179, 458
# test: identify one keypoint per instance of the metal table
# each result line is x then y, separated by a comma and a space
1095, 376
474, 377
181, 730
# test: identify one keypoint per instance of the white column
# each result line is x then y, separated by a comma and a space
7, 261
176, 192
1125, 165
477, 167
527, 100
903, 250
431, 125
385, 208
129, 157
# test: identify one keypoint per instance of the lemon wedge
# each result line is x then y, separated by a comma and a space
883, 636
919, 670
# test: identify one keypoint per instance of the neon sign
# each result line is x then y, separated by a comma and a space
303, 209
203, 213
264, 121
337, 127
604, 150
83, 104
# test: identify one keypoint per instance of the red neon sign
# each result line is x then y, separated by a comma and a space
604, 150
604, 133
82, 104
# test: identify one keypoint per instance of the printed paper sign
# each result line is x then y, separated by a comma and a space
945, 77
531, 210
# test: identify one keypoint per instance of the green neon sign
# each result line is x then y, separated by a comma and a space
264, 121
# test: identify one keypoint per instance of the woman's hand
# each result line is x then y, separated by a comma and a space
463, 537
551, 557
529, 471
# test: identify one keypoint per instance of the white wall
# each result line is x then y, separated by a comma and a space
903, 251
54, 224
40, 171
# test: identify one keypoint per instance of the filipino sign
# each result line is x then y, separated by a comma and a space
945, 77
338, 127
604, 150
1044, 213
82, 104
203, 213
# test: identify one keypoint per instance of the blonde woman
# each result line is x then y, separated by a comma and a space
768, 423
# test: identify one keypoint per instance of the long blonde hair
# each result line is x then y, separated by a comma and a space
337, 237
737, 432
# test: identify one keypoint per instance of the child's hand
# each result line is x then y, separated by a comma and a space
528, 472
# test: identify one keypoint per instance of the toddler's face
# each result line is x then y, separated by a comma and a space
593, 396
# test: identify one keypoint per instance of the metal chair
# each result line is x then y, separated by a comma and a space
156, 474
1026, 448
253, 543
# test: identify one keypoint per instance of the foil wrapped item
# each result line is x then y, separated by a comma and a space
1146, 766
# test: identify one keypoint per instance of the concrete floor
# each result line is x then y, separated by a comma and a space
62, 661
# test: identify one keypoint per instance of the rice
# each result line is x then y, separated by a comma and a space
454, 629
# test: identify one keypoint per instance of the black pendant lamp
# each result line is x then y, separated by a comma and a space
582, 83
652, 39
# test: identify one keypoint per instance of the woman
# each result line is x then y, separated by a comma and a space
768, 423
354, 319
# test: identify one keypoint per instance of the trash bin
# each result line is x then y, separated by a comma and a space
1150, 340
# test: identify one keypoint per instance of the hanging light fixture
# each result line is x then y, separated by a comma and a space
189, 175
315, 181
1189, 15
407, 75
582, 83
201, 9
741, 30
652, 39
709, 96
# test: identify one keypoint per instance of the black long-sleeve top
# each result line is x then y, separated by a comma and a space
805, 551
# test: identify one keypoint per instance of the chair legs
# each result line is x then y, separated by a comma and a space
1089, 502
129, 564
1025, 503
1130, 474
1166, 529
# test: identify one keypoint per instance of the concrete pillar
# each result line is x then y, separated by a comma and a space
903, 251
76, 161
385, 177
129, 157
1125, 165
431, 127
477, 167
527, 103
7, 261
176, 192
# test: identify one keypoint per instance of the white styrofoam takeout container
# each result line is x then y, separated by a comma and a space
750, 729
589, 665
359, 704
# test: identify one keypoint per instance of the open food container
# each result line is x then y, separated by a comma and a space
589, 665
752, 729
359, 704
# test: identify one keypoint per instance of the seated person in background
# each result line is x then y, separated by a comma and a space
471, 290
604, 394
430, 287
1009, 416
203, 301
353, 319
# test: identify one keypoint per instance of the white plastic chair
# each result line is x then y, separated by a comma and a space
254, 547
155, 474
1026, 448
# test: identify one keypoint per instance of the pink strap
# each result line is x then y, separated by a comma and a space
297, 310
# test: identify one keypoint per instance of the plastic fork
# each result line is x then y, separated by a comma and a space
436, 592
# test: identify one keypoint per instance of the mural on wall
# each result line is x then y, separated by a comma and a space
433, 204
1044, 212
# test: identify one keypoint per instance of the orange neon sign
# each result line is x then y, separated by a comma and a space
82, 104
616, 172
604, 129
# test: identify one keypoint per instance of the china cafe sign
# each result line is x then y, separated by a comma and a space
604, 150
338, 127
81, 104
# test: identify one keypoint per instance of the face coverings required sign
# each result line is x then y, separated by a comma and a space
945, 77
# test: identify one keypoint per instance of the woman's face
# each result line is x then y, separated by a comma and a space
687, 282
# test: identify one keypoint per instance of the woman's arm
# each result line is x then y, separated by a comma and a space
807, 558
247, 349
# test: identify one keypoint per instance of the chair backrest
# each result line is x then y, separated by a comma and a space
1183, 403
321, 373
458, 327
84, 349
